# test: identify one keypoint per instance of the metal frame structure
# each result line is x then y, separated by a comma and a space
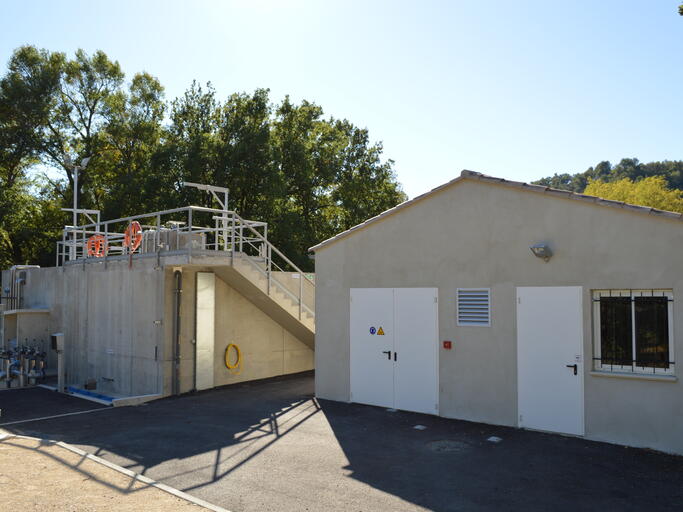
187, 231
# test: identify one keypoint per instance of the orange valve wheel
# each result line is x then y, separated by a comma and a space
97, 246
133, 236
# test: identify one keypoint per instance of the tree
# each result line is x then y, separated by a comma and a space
364, 185
244, 155
130, 139
652, 191
631, 168
26, 93
306, 175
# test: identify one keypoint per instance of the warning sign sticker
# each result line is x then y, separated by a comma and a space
373, 330
380, 331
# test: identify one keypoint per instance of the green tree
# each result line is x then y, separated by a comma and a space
244, 156
130, 139
652, 191
306, 175
631, 168
26, 93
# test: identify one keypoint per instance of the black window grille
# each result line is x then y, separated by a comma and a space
634, 331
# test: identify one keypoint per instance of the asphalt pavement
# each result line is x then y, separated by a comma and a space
270, 445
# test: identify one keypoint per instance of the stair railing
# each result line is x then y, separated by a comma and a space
239, 224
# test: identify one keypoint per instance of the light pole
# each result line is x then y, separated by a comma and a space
75, 169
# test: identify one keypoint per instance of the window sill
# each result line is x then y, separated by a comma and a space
637, 376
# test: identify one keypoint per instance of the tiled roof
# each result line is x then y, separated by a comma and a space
539, 189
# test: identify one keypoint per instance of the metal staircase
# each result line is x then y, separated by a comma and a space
268, 278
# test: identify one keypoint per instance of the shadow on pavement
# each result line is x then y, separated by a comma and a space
270, 445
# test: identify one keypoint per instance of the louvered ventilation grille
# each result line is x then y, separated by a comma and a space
474, 306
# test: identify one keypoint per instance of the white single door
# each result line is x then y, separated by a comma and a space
416, 350
372, 346
205, 342
550, 358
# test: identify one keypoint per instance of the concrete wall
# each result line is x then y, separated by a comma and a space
267, 348
113, 326
111, 318
118, 326
474, 234
40, 290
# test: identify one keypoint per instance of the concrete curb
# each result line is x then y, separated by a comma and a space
127, 472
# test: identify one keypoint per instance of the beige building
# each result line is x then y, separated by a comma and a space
202, 302
509, 304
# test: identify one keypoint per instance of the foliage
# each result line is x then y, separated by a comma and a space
628, 168
652, 191
307, 175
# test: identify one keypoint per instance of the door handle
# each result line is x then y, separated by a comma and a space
388, 353
575, 366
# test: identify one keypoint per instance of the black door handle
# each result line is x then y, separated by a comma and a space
575, 366
388, 353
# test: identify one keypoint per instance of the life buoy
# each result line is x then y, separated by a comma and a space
235, 367
133, 236
97, 246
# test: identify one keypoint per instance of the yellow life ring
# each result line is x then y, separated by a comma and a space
237, 366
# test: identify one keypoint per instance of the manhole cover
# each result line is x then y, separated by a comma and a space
447, 446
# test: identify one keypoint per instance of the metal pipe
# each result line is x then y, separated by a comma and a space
178, 276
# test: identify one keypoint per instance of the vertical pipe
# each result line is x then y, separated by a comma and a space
189, 235
269, 255
301, 294
75, 215
232, 241
178, 276
194, 336
106, 243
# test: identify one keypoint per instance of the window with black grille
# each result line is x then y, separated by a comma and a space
633, 330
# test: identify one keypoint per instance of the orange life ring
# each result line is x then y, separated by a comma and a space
97, 246
133, 236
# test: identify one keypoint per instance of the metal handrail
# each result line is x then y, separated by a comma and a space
228, 236
289, 262
282, 287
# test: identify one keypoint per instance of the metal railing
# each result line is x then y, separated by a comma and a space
198, 230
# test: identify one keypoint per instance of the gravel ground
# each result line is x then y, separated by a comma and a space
46, 477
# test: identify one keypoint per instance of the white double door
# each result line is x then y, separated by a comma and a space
550, 358
394, 348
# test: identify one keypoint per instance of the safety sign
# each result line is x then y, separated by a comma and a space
380, 331
373, 330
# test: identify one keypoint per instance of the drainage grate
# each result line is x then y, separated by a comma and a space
446, 446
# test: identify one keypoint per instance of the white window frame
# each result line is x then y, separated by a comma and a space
632, 369
457, 307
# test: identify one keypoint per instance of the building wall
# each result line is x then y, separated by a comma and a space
42, 285
268, 350
111, 319
478, 235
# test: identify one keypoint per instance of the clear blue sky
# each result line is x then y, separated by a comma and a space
514, 89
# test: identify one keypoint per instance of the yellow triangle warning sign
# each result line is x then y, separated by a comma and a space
380, 332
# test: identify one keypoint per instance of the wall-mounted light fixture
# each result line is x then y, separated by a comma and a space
542, 251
